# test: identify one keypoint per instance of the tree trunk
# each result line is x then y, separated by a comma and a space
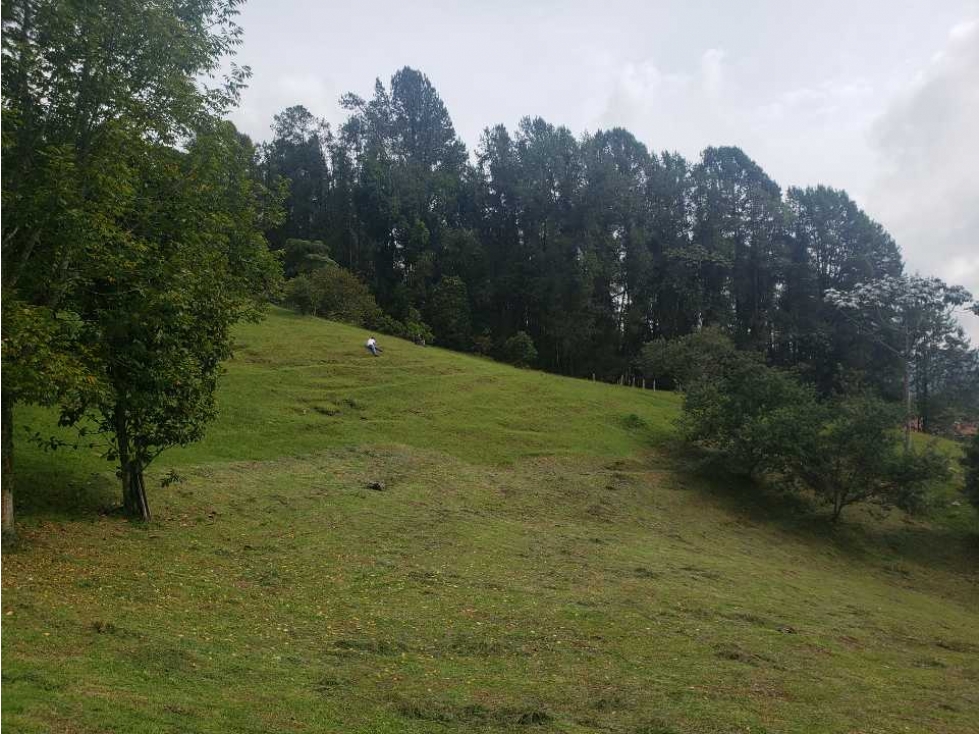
924, 409
837, 509
7, 441
134, 492
907, 406
134, 500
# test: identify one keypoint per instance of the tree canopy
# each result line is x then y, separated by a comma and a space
133, 220
593, 245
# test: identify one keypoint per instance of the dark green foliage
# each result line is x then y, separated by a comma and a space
688, 359
832, 244
333, 293
970, 463
303, 256
297, 156
847, 452
448, 313
412, 328
762, 420
132, 217
42, 363
519, 350
162, 301
746, 411
593, 245
946, 384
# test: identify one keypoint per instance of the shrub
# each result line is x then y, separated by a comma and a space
844, 451
300, 294
413, 328
483, 344
851, 454
418, 331
746, 411
333, 293
519, 350
688, 359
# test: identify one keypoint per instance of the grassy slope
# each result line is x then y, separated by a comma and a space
540, 560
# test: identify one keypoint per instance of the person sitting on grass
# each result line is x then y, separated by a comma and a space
372, 347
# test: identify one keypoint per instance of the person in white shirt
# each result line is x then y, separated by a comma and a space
372, 346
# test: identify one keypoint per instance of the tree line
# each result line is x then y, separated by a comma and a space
590, 247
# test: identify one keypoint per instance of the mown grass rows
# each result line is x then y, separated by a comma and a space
541, 559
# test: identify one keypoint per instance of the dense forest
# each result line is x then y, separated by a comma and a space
574, 252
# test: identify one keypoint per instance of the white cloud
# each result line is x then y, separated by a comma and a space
963, 30
712, 70
927, 193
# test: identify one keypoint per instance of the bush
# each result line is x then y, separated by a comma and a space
748, 412
417, 330
844, 451
850, 454
483, 344
333, 293
688, 359
337, 294
519, 350
301, 294
413, 328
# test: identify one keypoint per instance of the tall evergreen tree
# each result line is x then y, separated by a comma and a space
297, 155
833, 245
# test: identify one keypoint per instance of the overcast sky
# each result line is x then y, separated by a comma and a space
879, 97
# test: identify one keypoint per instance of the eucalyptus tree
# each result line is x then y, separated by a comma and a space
615, 229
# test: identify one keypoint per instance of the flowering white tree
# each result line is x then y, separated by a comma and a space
907, 315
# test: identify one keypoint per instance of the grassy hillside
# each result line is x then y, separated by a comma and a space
542, 558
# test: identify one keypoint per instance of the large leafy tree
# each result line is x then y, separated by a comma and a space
763, 420
97, 99
188, 262
844, 451
909, 316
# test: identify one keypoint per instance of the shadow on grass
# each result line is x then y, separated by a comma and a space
49, 487
866, 534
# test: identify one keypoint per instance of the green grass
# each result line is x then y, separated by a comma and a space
543, 558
